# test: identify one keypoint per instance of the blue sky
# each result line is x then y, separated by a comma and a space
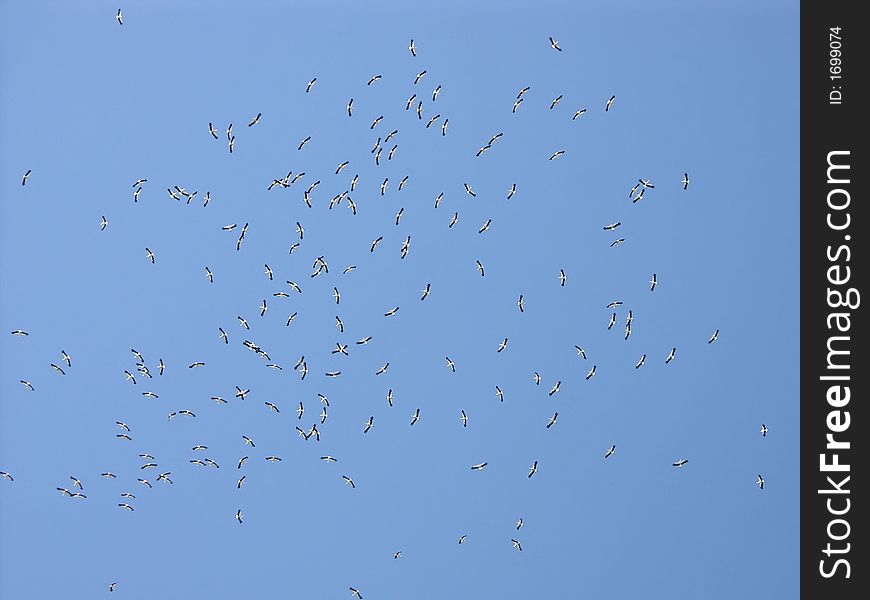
91, 106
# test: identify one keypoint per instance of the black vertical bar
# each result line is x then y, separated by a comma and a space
834, 223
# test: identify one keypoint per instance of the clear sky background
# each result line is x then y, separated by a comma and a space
91, 106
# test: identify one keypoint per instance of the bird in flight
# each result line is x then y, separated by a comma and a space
502, 345
415, 417
356, 593
119, 17
462, 538
610, 451
310, 85
533, 469
25, 177
760, 482
450, 364
671, 355
463, 417
763, 430
578, 113
554, 44
556, 154
348, 481
255, 120
653, 282
679, 464
517, 544
412, 48
555, 388
609, 103
685, 181
552, 420
521, 303
713, 337
640, 362
149, 255
477, 467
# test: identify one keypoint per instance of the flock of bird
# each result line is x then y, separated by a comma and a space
139, 374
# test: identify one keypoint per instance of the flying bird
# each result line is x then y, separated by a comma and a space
760, 482
310, 85
680, 463
610, 451
533, 469
478, 467
554, 44
685, 181
412, 48
609, 103
671, 355
119, 17
763, 430
653, 283
713, 337
552, 420
255, 120
25, 177
517, 544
